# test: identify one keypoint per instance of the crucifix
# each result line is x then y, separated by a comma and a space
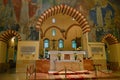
53, 43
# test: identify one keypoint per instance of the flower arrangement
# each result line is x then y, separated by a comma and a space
75, 56
59, 56
79, 48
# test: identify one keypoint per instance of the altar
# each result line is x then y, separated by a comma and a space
69, 60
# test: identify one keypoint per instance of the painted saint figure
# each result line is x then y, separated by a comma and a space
98, 15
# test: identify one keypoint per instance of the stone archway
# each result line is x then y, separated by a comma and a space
110, 42
5, 49
66, 10
5, 36
110, 39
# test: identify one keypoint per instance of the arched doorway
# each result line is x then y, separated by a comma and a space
62, 19
109, 40
8, 40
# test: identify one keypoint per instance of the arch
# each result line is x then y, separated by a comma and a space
67, 10
50, 28
5, 36
110, 39
70, 28
41, 33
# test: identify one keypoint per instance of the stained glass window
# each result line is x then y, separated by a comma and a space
46, 43
60, 43
74, 44
53, 32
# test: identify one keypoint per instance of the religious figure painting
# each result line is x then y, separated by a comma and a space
102, 15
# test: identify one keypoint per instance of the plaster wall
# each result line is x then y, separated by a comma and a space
3, 47
24, 60
114, 54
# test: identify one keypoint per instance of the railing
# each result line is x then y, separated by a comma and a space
31, 71
66, 72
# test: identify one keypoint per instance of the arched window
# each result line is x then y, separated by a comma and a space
53, 32
60, 43
46, 43
74, 45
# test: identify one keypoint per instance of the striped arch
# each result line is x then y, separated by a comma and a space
110, 39
67, 10
5, 36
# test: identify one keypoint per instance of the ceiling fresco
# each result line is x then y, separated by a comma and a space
21, 16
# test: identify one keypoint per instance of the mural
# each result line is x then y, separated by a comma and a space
102, 16
21, 15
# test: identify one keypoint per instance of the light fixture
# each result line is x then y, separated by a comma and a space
73, 19
53, 20
13, 39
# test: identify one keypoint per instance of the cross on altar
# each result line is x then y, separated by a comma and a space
53, 43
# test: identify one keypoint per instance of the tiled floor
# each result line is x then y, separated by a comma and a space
11, 75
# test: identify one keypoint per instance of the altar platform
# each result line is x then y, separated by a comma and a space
70, 59
82, 75
43, 73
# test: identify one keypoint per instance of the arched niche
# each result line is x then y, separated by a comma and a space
69, 11
8, 45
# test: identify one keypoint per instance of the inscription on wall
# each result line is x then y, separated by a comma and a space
96, 49
27, 49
